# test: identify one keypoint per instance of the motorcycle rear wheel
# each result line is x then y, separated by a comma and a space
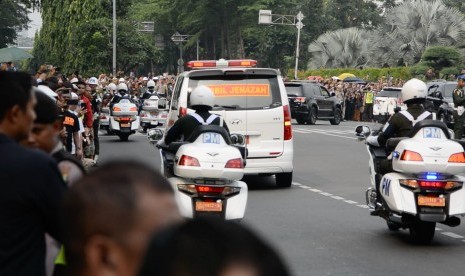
124, 137
422, 232
393, 226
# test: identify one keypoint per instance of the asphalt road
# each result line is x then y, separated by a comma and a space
321, 225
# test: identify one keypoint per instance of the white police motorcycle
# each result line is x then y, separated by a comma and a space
205, 172
424, 187
123, 119
154, 112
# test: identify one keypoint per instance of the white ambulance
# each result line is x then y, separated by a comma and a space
253, 102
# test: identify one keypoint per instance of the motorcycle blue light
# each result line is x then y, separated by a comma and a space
432, 176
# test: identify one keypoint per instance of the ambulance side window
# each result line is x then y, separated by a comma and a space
177, 90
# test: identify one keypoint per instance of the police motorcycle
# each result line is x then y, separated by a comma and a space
424, 187
153, 111
205, 172
105, 112
123, 118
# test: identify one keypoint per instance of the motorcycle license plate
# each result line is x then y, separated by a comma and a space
153, 113
201, 206
431, 201
126, 125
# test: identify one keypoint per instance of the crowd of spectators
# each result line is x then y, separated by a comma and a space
113, 220
357, 97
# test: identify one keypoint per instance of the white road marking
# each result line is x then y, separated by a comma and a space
334, 131
324, 133
302, 186
452, 235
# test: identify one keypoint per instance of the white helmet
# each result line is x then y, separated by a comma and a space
93, 81
112, 87
150, 84
145, 79
74, 80
202, 95
47, 91
414, 89
122, 86
121, 80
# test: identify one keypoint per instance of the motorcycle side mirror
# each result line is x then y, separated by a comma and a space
154, 135
362, 131
237, 139
162, 104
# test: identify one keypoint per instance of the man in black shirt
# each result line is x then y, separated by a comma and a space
71, 124
31, 184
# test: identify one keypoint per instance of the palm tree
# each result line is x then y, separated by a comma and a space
413, 26
342, 48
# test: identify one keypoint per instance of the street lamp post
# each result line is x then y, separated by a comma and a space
178, 39
114, 39
266, 17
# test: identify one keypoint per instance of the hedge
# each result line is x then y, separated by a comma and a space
368, 74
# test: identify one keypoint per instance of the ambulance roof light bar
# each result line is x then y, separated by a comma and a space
221, 63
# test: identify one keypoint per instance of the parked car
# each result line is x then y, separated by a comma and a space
386, 103
309, 101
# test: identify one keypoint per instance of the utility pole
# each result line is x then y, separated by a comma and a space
266, 17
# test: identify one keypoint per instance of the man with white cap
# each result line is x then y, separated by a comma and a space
96, 102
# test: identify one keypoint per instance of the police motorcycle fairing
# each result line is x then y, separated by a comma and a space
205, 172
123, 118
424, 187
154, 112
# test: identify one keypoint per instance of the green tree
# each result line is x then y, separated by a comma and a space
77, 35
353, 13
13, 18
440, 57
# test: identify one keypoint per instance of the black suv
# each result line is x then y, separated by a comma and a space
310, 101
440, 93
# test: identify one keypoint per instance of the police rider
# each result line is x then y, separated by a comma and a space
399, 125
201, 100
414, 95
150, 90
122, 91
